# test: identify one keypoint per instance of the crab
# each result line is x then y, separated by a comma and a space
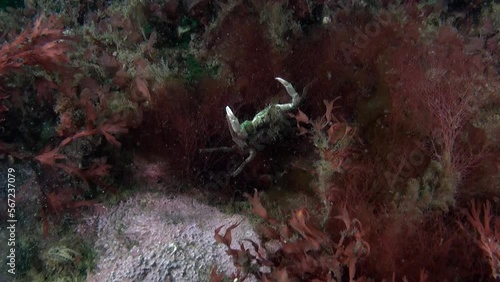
266, 125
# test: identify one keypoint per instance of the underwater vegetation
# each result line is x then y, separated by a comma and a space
388, 168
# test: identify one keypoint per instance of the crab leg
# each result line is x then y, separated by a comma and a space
252, 153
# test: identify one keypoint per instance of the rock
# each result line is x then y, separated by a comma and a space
154, 238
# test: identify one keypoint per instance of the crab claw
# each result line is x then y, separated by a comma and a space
292, 92
234, 124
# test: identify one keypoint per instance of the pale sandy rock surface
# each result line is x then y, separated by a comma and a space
157, 238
